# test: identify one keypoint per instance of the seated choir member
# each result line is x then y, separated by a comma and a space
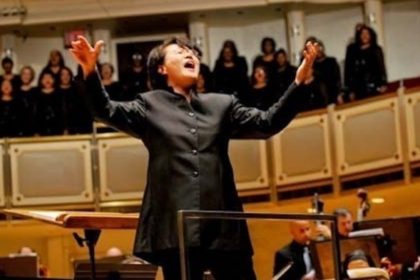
297, 252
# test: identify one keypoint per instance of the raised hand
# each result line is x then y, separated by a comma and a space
304, 72
85, 54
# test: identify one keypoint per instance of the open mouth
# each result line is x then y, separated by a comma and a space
189, 65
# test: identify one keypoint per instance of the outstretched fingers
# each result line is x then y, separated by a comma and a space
98, 47
84, 42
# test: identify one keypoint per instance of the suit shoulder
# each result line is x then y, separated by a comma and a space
285, 251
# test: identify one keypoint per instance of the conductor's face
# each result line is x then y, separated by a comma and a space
181, 66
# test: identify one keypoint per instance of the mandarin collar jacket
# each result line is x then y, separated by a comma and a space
189, 166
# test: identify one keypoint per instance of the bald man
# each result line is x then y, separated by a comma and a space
297, 252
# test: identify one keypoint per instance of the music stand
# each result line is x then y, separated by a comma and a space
400, 237
90, 222
321, 253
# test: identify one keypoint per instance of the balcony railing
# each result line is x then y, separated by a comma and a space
321, 148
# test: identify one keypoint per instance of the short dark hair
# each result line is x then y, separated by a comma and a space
157, 56
280, 51
342, 212
45, 73
65, 68
107, 64
266, 40
6, 60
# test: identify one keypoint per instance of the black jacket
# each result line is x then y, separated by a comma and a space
365, 71
189, 167
291, 252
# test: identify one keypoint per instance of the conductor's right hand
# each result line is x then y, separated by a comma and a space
85, 54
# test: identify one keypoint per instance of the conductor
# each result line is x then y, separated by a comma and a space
187, 136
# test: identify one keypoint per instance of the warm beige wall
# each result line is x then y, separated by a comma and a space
57, 248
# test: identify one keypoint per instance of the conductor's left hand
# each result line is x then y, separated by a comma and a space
304, 72
85, 54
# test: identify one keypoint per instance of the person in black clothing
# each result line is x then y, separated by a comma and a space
285, 72
26, 95
114, 88
260, 94
327, 76
204, 81
187, 136
7, 65
296, 253
134, 80
10, 111
78, 119
350, 51
230, 71
205, 76
49, 111
55, 64
267, 58
365, 72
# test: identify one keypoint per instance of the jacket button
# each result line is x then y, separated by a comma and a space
193, 130
191, 114
194, 152
195, 173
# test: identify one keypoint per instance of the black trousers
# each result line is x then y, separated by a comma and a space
223, 265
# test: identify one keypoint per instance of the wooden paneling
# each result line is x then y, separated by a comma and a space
249, 161
51, 173
122, 168
368, 136
302, 152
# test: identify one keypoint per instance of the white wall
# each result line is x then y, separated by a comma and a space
402, 38
334, 26
247, 30
35, 51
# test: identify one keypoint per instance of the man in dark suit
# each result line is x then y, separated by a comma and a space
187, 136
295, 253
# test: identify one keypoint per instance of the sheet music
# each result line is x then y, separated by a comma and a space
367, 232
53, 216
369, 272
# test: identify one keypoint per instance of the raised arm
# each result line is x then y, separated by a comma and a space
253, 123
125, 116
